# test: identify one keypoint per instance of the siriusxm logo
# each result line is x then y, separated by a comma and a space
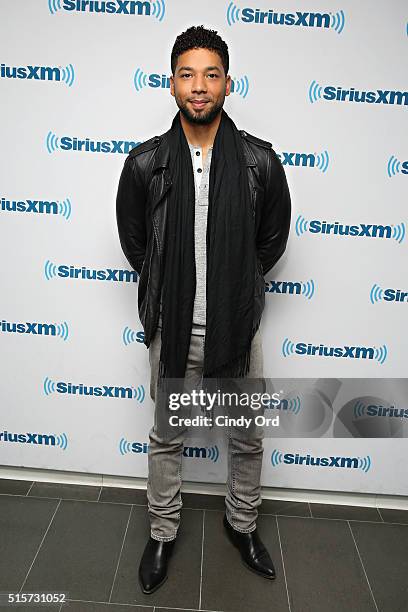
394, 166
129, 336
51, 270
321, 350
361, 463
43, 207
153, 8
310, 160
36, 329
35, 438
162, 81
191, 452
378, 96
68, 388
306, 289
361, 410
335, 21
377, 294
202, 452
39, 73
68, 143
394, 232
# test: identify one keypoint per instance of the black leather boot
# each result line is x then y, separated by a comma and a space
153, 564
253, 552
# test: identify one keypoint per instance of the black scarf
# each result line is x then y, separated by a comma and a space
231, 261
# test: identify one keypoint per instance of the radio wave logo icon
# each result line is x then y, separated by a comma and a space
301, 225
68, 74
292, 405
138, 393
380, 353
337, 21
48, 386
276, 457
62, 441
50, 270
364, 463
140, 79
240, 86
308, 289
393, 166
398, 232
315, 91
54, 6
125, 446
129, 336
232, 13
322, 161
52, 142
376, 293
63, 330
158, 9
288, 347
213, 453
359, 410
65, 208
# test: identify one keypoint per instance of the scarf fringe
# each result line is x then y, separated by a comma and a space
238, 368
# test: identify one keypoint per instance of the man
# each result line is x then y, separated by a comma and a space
203, 213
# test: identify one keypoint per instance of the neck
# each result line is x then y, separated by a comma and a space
200, 135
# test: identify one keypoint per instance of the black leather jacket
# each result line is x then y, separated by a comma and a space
141, 207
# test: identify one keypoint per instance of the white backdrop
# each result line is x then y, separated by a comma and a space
70, 73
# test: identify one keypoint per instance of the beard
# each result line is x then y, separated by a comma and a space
200, 118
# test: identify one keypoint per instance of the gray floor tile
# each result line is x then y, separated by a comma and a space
351, 513
384, 551
64, 491
23, 523
322, 565
227, 584
288, 508
394, 516
88, 606
14, 487
207, 502
37, 608
81, 550
124, 496
181, 590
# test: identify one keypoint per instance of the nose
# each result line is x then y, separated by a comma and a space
199, 84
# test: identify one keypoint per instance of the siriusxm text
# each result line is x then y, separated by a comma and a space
119, 7
96, 146
378, 96
332, 461
309, 20
36, 73
363, 229
348, 352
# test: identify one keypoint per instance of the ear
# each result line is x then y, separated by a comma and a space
228, 83
172, 85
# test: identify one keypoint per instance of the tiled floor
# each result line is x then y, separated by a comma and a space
88, 541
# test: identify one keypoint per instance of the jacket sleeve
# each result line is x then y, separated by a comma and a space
273, 229
130, 214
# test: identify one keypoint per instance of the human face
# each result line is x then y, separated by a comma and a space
199, 85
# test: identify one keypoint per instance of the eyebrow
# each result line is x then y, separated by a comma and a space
192, 69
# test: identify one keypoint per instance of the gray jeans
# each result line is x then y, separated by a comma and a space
165, 456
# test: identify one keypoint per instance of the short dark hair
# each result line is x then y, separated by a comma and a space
198, 37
